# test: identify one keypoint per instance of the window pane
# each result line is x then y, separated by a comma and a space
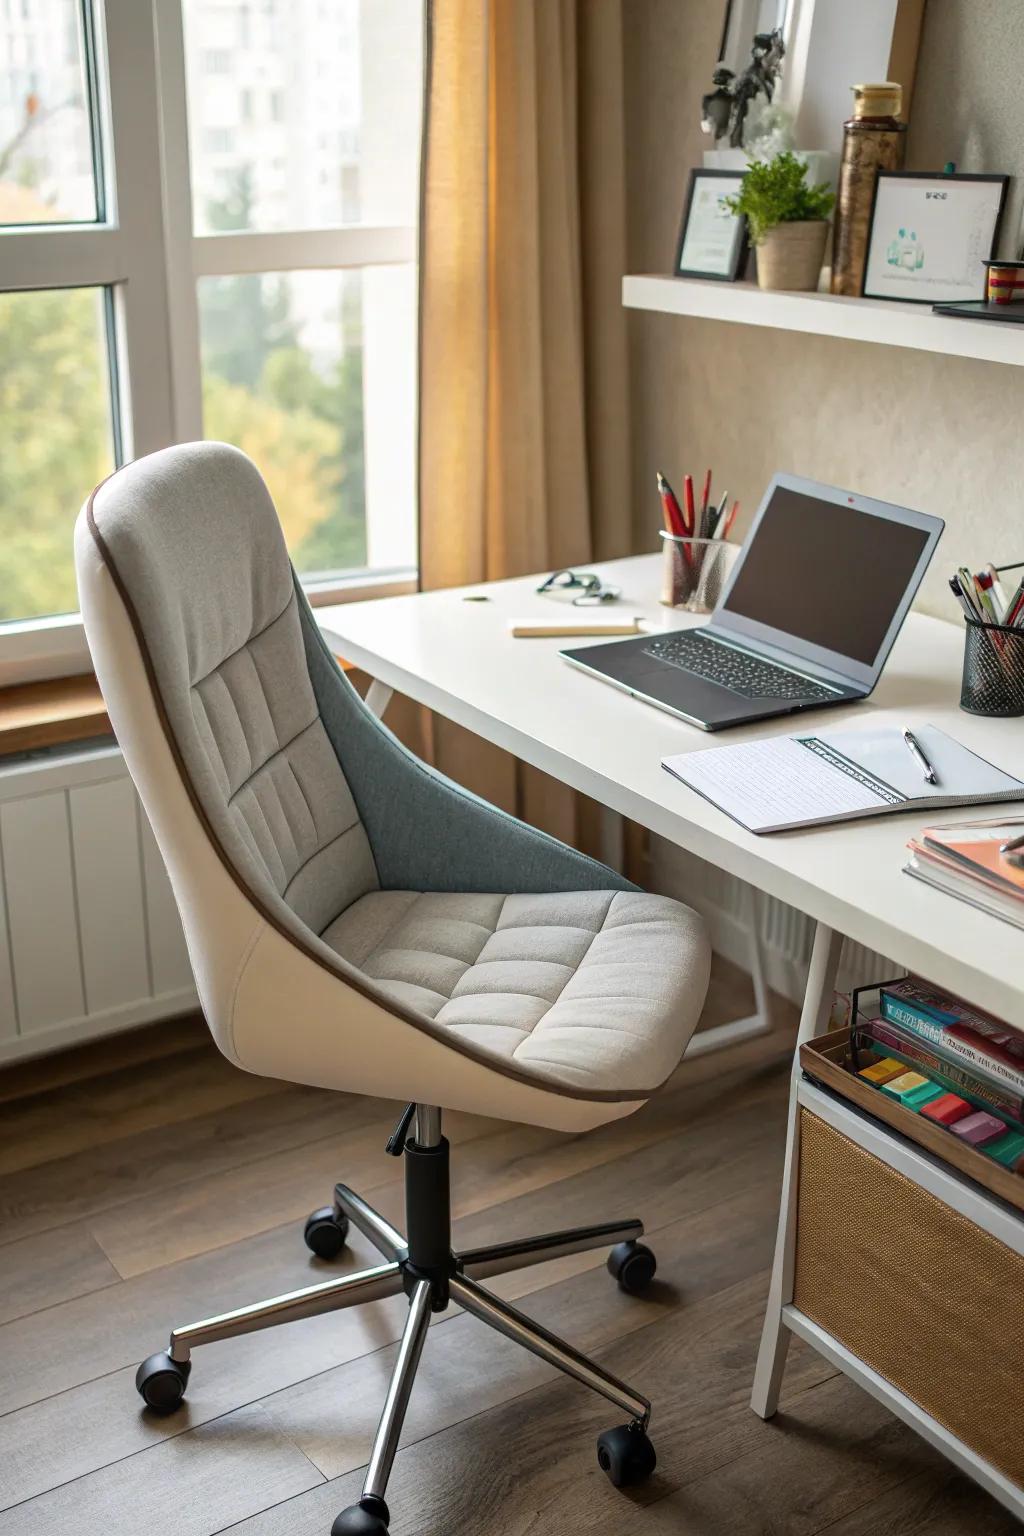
313, 374
46, 149
283, 380
56, 440
303, 113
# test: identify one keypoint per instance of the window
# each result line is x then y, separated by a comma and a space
283, 379
48, 170
56, 438
203, 233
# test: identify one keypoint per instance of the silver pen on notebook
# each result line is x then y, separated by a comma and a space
916, 752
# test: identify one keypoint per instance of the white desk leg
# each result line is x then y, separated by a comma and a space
771, 1359
757, 1023
378, 697
612, 839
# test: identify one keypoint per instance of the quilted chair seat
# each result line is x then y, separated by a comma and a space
587, 986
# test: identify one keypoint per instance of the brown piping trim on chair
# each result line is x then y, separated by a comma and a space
352, 978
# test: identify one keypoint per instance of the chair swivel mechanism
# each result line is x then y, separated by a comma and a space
356, 921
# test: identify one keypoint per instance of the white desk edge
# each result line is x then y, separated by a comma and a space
458, 659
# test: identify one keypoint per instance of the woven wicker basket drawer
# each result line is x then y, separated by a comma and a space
921, 1294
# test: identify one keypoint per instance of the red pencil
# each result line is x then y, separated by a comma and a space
689, 519
730, 519
706, 498
673, 516
670, 508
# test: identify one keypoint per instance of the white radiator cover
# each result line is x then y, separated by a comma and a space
90, 940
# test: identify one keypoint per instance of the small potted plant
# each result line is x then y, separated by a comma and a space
788, 221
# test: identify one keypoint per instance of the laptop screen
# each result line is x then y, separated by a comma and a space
826, 573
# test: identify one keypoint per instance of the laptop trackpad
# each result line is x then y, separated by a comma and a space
628, 663
695, 696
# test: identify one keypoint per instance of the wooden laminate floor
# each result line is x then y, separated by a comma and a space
144, 1181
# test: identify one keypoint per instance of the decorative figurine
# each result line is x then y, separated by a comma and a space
724, 110
716, 106
757, 79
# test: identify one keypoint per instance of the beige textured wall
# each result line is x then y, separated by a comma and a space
942, 435
970, 105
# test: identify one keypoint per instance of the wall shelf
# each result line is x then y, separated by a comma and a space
824, 314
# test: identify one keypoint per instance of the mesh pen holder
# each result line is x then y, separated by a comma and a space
694, 571
993, 679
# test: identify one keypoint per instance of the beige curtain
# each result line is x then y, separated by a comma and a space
524, 451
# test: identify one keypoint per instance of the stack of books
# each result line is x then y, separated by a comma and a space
954, 1044
967, 861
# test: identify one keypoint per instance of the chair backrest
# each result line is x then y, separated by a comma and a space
277, 798
195, 541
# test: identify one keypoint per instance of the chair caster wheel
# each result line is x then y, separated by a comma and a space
161, 1381
633, 1265
325, 1232
626, 1455
367, 1518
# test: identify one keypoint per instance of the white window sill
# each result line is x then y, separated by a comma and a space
35, 650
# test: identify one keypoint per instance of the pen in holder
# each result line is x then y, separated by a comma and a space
694, 571
993, 678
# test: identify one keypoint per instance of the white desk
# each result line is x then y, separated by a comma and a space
458, 658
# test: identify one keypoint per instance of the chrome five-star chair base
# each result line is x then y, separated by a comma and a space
424, 1266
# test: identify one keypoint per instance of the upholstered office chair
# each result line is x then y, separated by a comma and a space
357, 921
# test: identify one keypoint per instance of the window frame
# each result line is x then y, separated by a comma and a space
148, 259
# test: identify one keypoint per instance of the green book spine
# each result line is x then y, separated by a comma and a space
900, 1012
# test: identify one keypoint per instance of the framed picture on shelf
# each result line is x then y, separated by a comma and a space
712, 241
931, 234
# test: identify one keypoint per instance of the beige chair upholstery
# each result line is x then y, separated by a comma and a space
354, 920
357, 921
581, 986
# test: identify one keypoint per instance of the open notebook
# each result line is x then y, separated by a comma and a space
806, 780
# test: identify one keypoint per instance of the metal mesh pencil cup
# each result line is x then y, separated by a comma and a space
694, 571
993, 678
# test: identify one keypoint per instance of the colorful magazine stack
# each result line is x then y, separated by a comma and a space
965, 861
953, 1043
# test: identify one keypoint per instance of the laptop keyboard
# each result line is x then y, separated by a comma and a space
747, 675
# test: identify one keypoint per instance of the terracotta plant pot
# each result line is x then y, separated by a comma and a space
790, 255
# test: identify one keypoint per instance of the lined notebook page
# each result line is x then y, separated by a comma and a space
776, 783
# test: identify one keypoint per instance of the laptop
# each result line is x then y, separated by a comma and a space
806, 619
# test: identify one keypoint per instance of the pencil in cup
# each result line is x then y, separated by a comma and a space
694, 571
